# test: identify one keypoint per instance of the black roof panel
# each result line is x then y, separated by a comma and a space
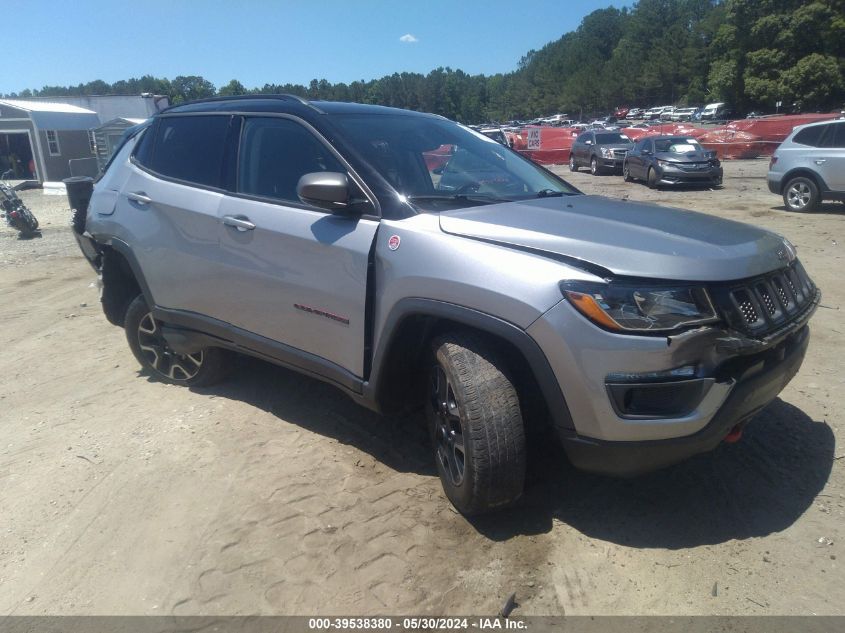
289, 104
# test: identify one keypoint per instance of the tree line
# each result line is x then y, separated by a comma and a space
748, 53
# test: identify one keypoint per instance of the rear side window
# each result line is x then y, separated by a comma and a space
144, 149
275, 153
190, 148
810, 136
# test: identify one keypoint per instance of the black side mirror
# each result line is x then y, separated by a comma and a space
328, 190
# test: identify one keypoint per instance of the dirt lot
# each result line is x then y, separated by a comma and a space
275, 494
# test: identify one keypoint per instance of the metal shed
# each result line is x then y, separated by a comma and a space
108, 135
38, 138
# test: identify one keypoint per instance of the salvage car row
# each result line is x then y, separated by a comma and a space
656, 160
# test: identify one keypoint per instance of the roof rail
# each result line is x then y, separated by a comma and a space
282, 97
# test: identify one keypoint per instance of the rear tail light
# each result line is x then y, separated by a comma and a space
773, 161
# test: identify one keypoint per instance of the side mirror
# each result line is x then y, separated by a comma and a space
588, 142
645, 152
325, 189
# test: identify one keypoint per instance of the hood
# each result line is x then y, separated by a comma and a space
626, 238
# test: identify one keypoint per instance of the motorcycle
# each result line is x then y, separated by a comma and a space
18, 216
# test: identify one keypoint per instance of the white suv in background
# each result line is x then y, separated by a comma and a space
809, 166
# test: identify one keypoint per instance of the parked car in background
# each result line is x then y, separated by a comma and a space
683, 114
496, 133
809, 166
600, 150
556, 119
653, 113
633, 113
671, 160
715, 112
666, 114
621, 112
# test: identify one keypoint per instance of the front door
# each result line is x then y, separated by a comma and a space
299, 277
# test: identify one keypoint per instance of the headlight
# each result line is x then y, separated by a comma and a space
628, 308
664, 163
607, 153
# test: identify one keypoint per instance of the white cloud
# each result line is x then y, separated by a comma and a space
408, 39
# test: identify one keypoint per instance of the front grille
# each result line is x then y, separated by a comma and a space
764, 304
620, 153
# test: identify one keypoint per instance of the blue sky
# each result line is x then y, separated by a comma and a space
258, 41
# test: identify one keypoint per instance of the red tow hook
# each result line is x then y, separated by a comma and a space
734, 435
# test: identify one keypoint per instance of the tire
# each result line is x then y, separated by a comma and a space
595, 170
626, 174
143, 333
801, 194
652, 178
475, 424
573, 166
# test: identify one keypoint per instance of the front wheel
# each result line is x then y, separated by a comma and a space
476, 425
626, 172
150, 348
573, 166
652, 178
594, 166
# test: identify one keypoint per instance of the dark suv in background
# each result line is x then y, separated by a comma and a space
600, 151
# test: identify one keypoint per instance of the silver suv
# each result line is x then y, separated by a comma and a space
405, 258
809, 166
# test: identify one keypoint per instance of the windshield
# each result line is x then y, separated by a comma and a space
429, 160
677, 145
608, 139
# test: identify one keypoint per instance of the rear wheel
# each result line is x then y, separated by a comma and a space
572, 164
145, 338
801, 194
476, 425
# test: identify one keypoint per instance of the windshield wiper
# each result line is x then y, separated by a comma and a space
550, 193
458, 197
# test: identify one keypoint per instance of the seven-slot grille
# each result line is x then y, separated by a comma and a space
763, 304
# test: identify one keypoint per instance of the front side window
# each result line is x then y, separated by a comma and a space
835, 137
190, 148
275, 153
430, 159
53, 143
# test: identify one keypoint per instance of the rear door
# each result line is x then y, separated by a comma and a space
169, 206
299, 277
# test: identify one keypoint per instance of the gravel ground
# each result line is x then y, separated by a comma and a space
274, 494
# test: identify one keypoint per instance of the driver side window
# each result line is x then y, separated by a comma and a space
275, 153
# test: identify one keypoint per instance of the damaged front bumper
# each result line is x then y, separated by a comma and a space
641, 403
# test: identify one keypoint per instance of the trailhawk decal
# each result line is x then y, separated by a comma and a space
334, 317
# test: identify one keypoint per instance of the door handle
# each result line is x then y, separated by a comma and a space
241, 223
139, 196
820, 161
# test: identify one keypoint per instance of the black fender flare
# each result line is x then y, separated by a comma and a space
469, 317
126, 251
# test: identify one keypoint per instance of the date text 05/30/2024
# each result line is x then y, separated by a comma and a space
415, 624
